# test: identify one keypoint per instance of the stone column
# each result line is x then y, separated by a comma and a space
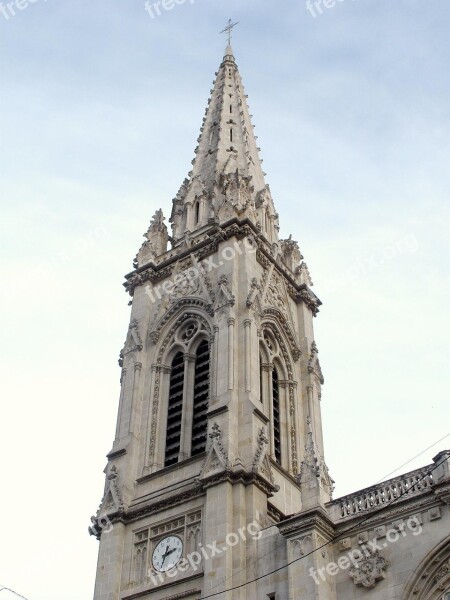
294, 429
189, 216
309, 554
201, 214
122, 390
218, 522
157, 420
442, 470
231, 323
266, 370
248, 355
188, 402
222, 358
134, 402
270, 398
215, 364
109, 565
286, 458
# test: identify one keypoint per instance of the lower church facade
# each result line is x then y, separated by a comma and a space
216, 483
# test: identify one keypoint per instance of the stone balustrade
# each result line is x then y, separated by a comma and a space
407, 485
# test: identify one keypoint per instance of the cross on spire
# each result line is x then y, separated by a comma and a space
229, 29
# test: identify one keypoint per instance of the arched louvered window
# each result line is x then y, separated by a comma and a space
175, 409
200, 402
276, 416
197, 212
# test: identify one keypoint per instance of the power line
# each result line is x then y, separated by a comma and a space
13, 592
411, 459
327, 543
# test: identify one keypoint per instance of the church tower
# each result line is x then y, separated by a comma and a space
219, 428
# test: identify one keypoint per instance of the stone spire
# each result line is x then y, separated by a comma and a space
227, 180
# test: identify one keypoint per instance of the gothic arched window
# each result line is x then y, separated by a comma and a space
175, 410
188, 398
276, 417
197, 212
273, 395
200, 401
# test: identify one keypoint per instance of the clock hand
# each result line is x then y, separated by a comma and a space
165, 555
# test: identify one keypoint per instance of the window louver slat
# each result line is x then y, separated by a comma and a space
276, 416
173, 433
200, 403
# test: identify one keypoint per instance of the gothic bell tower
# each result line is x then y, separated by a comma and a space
219, 422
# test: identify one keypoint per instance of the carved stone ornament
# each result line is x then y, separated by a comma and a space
187, 282
303, 545
133, 341
314, 365
290, 253
264, 199
304, 274
275, 294
254, 289
177, 210
313, 470
112, 501
156, 244
224, 297
217, 458
370, 568
237, 190
261, 463
310, 300
191, 288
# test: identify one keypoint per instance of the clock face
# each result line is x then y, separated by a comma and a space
167, 553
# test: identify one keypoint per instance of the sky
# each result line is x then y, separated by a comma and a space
101, 104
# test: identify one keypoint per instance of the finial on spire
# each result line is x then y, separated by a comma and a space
228, 30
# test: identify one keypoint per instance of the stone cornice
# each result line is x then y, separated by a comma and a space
168, 502
208, 244
261, 415
193, 459
274, 513
209, 240
213, 412
241, 477
302, 523
442, 491
169, 584
197, 490
113, 454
